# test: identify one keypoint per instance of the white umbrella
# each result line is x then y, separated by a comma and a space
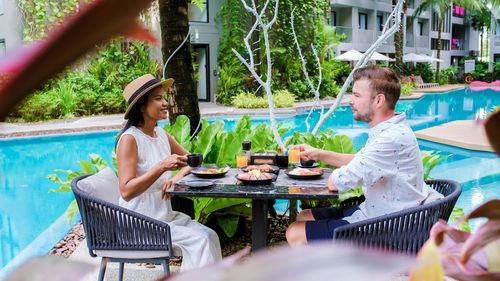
431, 59
412, 57
379, 56
350, 56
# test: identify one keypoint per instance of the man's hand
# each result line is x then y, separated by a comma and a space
331, 185
308, 152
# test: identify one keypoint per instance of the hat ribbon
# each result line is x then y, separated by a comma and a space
142, 88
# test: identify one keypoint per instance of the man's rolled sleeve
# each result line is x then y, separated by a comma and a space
349, 176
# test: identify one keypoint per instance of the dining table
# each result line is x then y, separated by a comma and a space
282, 187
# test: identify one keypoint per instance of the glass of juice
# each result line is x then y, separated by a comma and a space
292, 156
241, 161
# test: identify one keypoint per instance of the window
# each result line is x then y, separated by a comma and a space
446, 22
333, 18
2, 47
380, 22
197, 14
420, 28
498, 27
363, 21
445, 44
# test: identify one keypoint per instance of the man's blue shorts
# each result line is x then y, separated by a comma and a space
326, 220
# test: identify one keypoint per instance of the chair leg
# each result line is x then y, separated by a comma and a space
102, 271
120, 272
166, 267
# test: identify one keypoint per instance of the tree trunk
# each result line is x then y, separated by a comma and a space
182, 96
481, 45
399, 43
440, 25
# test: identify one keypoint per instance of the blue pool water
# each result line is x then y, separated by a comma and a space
32, 220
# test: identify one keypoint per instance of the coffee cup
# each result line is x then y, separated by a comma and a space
306, 163
195, 159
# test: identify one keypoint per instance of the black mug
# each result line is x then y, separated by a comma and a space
195, 159
306, 163
282, 161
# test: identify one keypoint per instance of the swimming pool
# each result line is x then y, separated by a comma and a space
32, 220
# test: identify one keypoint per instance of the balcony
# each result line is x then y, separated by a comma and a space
344, 30
422, 41
457, 44
389, 41
366, 36
497, 40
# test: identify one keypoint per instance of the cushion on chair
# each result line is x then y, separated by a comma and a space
133, 254
103, 185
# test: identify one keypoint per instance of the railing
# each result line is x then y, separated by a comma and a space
389, 41
422, 41
457, 44
344, 30
497, 40
410, 40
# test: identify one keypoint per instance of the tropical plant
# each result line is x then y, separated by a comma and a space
429, 160
407, 89
281, 98
446, 75
439, 9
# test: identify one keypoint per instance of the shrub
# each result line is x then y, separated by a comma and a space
446, 74
406, 89
281, 98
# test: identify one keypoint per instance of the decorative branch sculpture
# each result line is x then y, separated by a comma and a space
317, 101
386, 33
250, 64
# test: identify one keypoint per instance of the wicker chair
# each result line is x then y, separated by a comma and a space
121, 235
404, 231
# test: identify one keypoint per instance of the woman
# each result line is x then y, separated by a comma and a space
146, 157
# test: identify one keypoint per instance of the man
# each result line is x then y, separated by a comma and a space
389, 167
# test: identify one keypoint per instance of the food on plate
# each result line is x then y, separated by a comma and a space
261, 168
254, 175
215, 171
305, 172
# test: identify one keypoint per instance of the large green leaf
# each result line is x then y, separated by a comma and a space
207, 137
98, 162
229, 148
86, 167
71, 211
229, 224
339, 143
181, 131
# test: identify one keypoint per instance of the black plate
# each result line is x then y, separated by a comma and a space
197, 172
316, 164
199, 184
258, 182
276, 169
303, 177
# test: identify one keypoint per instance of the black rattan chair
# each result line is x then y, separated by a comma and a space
404, 231
121, 235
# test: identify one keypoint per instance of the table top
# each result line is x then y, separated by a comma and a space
283, 188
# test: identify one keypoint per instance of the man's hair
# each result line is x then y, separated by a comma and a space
382, 81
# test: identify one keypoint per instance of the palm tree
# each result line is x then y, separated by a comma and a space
182, 96
398, 41
440, 8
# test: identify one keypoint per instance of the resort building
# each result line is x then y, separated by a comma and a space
495, 38
11, 34
362, 21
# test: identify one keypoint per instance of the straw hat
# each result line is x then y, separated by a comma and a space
140, 86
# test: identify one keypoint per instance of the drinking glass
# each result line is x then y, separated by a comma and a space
194, 160
292, 156
241, 161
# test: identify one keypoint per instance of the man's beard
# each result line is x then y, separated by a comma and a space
367, 117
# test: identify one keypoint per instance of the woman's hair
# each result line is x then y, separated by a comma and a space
382, 81
135, 117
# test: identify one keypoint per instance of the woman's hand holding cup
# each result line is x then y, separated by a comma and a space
174, 162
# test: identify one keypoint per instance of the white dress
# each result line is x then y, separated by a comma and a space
199, 244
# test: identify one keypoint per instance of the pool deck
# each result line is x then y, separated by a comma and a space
468, 134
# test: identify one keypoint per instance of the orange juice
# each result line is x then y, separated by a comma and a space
241, 161
292, 156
